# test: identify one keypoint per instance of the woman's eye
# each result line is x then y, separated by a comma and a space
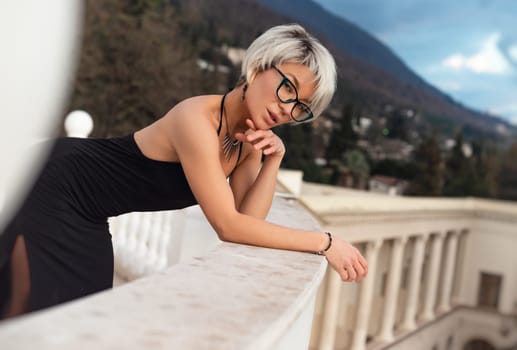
289, 87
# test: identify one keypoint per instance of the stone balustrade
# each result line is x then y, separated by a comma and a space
233, 297
441, 273
145, 243
426, 258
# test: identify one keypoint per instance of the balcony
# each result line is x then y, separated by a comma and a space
227, 296
441, 275
441, 272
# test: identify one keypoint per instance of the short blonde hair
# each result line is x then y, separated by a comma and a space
292, 43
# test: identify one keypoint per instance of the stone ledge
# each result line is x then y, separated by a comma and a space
235, 297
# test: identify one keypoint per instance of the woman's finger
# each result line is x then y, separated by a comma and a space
352, 274
270, 150
251, 138
251, 124
241, 137
359, 268
264, 143
363, 263
361, 272
344, 275
257, 134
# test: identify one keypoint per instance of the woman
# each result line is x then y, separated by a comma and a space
58, 246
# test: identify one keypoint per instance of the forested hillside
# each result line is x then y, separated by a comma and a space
140, 57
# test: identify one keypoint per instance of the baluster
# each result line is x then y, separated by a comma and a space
163, 242
142, 241
414, 283
128, 252
153, 242
450, 263
177, 221
434, 270
365, 296
392, 288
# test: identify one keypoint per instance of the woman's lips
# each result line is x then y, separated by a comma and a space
271, 118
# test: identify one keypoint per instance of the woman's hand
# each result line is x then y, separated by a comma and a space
346, 260
265, 140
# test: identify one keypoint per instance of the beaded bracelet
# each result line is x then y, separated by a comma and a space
321, 252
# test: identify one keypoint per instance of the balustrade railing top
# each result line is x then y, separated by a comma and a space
235, 297
331, 200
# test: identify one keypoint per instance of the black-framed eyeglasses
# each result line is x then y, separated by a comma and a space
287, 93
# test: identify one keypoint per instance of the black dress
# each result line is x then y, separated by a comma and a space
64, 218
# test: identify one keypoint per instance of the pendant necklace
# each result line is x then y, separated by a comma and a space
229, 146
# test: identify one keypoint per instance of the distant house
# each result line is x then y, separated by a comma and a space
387, 184
388, 149
235, 54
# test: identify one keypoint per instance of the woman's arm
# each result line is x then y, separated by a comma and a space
198, 149
254, 192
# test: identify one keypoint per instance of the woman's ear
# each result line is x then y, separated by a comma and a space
241, 81
244, 89
250, 77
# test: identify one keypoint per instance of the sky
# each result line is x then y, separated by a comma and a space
466, 48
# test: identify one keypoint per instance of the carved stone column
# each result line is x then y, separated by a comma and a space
415, 276
434, 270
328, 326
450, 264
392, 288
365, 296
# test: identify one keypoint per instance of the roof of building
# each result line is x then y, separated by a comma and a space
386, 180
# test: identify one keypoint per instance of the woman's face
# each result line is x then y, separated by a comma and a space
265, 107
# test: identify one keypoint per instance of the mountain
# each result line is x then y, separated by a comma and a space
121, 89
346, 36
381, 73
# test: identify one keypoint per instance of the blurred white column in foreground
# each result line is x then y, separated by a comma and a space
39, 41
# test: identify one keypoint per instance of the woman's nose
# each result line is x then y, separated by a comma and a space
286, 108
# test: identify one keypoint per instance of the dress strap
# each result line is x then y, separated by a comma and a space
221, 110
239, 154
221, 115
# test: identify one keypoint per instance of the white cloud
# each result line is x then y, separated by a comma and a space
513, 52
488, 59
456, 61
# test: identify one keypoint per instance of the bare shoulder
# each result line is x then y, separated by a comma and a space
190, 121
197, 109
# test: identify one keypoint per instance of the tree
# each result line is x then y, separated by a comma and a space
358, 165
343, 137
401, 169
460, 175
508, 174
300, 153
398, 124
485, 167
428, 162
